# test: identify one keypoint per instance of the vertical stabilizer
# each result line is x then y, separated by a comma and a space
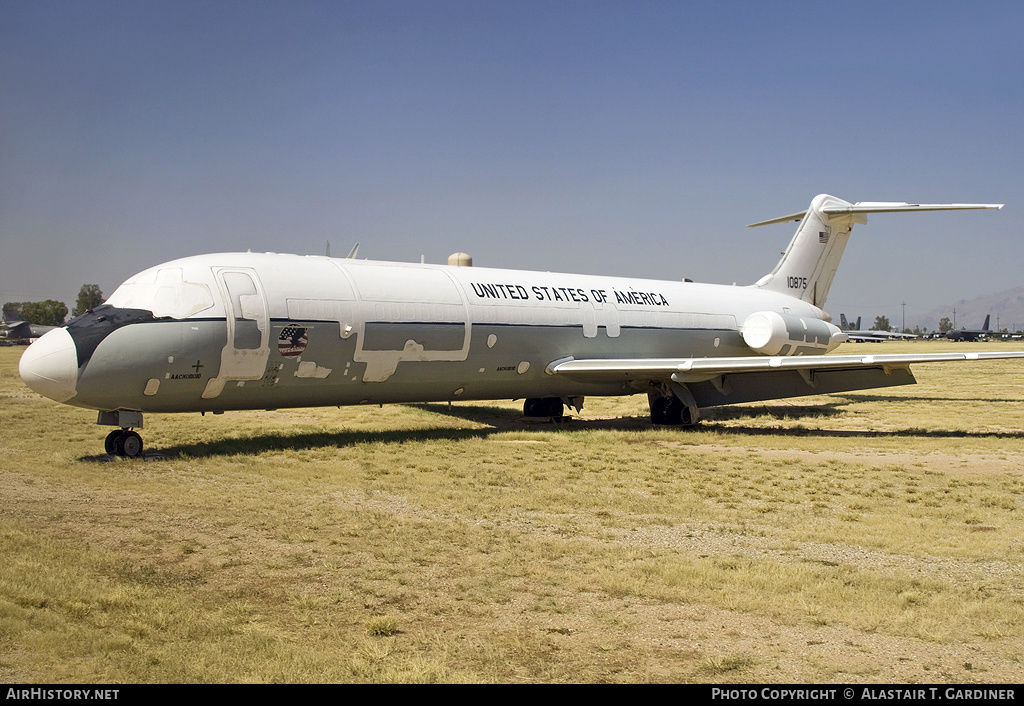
12, 317
809, 264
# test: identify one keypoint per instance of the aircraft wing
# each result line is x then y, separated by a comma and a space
876, 336
719, 381
856, 337
706, 368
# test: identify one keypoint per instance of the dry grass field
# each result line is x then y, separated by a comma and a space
865, 537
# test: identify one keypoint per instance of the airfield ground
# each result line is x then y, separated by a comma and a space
866, 537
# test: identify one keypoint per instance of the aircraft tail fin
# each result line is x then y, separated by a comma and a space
13, 325
12, 317
984, 326
809, 263
843, 323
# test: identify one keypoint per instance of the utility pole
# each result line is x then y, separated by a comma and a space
904, 328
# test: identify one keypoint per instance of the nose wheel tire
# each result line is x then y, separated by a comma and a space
123, 442
108, 443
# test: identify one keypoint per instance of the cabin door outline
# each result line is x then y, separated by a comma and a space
247, 349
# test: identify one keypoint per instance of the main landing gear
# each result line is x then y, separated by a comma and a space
123, 442
551, 407
674, 407
544, 407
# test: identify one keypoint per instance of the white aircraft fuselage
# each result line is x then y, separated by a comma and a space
255, 331
240, 331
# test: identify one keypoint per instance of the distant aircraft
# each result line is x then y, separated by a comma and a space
265, 331
971, 334
14, 326
854, 333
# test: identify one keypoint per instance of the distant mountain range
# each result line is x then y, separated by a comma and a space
1006, 308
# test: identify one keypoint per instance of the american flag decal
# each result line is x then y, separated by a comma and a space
823, 235
292, 341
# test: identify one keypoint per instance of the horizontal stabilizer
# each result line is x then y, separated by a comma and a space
881, 207
780, 219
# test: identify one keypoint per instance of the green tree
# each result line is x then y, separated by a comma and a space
881, 323
945, 324
89, 297
46, 313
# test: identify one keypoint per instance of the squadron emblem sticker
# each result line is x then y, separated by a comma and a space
292, 341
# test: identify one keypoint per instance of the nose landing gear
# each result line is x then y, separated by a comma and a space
123, 442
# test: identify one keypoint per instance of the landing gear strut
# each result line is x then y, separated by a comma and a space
123, 442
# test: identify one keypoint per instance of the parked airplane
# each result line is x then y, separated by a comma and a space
971, 334
15, 326
264, 331
855, 333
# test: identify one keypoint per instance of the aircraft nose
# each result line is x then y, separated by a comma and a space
50, 365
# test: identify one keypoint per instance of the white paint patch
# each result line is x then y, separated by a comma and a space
380, 365
309, 369
151, 387
491, 340
523, 367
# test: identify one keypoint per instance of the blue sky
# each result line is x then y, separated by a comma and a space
623, 138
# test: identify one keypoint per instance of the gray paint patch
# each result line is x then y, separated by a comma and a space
381, 336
